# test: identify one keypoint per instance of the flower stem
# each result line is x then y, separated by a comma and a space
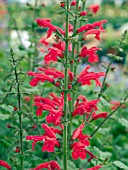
108, 68
96, 130
65, 157
19, 109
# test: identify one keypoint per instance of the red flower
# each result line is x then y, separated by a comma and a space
83, 13
97, 167
99, 24
38, 77
73, 3
5, 164
52, 165
53, 54
100, 115
54, 106
46, 23
116, 104
85, 107
78, 151
49, 138
85, 28
94, 8
94, 31
90, 53
77, 131
85, 77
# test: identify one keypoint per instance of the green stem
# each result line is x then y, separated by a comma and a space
65, 157
20, 110
95, 131
108, 68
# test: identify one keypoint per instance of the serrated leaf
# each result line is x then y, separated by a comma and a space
120, 165
123, 122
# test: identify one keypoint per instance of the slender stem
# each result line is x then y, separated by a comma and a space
20, 111
65, 92
108, 68
6, 95
95, 131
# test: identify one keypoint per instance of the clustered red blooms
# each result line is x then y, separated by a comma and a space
49, 138
53, 105
5, 164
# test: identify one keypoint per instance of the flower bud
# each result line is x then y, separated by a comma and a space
34, 126
8, 125
62, 4
17, 149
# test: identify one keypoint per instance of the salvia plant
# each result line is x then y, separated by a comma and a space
68, 106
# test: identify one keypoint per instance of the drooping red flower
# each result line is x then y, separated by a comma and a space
100, 115
5, 164
73, 3
90, 53
49, 138
97, 167
83, 13
94, 31
85, 77
52, 165
94, 8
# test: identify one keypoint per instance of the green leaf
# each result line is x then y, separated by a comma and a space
108, 167
120, 165
123, 122
7, 108
100, 154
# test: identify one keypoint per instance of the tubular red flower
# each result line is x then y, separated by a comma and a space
85, 28
85, 77
94, 31
5, 164
52, 165
100, 115
90, 53
94, 8
116, 104
77, 131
